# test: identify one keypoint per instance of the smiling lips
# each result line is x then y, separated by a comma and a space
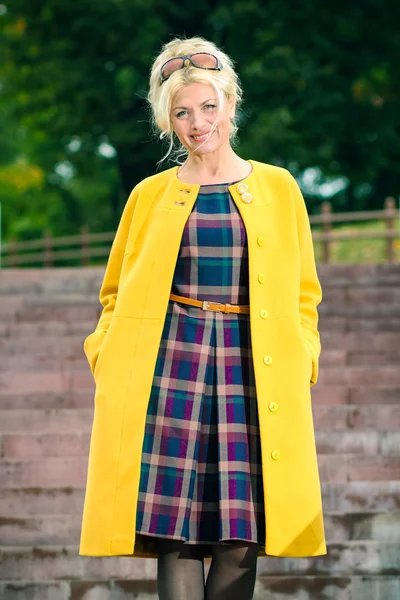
200, 138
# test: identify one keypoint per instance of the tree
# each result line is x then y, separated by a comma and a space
320, 81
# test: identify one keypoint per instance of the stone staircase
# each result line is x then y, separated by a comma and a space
46, 407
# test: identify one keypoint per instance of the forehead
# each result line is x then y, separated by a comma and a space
193, 94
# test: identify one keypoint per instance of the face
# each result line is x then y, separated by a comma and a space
194, 111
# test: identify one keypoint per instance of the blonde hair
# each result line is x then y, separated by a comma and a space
225, 83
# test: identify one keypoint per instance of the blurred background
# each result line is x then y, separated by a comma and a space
321, 98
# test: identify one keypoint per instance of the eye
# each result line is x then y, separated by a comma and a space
180, 113
210, 106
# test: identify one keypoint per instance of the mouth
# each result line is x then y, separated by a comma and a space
200, 138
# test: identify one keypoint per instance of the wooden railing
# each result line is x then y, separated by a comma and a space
84, 247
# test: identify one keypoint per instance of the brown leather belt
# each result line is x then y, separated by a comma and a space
218, 306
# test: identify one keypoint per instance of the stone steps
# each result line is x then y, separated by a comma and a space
71, 470
344, 498
370, 587
326, 417
59, 355
64, 529
74, 374
72, 280
322, 395
39, 563
46, 412
25, 445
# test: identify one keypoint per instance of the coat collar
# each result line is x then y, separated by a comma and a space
254, 184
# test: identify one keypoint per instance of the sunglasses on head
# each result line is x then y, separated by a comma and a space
201, 60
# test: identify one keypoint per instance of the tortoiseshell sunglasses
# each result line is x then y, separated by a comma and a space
201, 60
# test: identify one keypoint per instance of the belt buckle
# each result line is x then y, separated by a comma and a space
226, 308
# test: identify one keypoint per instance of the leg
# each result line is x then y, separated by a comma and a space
232, 573
180, 573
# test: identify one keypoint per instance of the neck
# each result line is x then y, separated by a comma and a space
214, 167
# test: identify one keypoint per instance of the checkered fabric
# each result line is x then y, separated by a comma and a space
201, 479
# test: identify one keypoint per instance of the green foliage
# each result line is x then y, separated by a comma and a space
321, 89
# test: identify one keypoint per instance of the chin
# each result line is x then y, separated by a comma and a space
206, 148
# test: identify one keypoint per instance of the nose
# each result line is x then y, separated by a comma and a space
197, 120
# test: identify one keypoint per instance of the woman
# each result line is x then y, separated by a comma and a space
202, 443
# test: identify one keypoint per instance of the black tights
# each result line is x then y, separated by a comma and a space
232, 574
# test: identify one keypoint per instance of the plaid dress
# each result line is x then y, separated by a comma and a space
201, 479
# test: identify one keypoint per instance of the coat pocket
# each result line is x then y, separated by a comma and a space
92, 347
310, 356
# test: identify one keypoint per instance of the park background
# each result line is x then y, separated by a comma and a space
322, 99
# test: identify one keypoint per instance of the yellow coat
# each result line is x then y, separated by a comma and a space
122, 353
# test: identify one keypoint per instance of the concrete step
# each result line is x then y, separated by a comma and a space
338, 498
65, 379
75, 374
336, 345
330, 323
356, 442
15, 306
344, 318
66, 420
46, 421
361, 496
358, 275
354, 375
30, 333
66, 399
42, 529
64, 360
27, 445
351, 467
52, 353
72, 470
322, 395
39, 348
26, 501
56, 312
334, 395
358, 315
88, 279
54, 562
45, 282
64, 306
378, 587
381, 417
367, 294
356, 341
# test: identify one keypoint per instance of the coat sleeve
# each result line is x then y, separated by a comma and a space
109, 287
310, 293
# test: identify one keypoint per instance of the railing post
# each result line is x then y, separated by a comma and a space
12, 253
326, 209
85, 250
390, 209
47, 249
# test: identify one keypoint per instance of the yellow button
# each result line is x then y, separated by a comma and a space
275, 454
268, 359
261, 278
247, 197
260, 240
273, 406
264, 313
242, 187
